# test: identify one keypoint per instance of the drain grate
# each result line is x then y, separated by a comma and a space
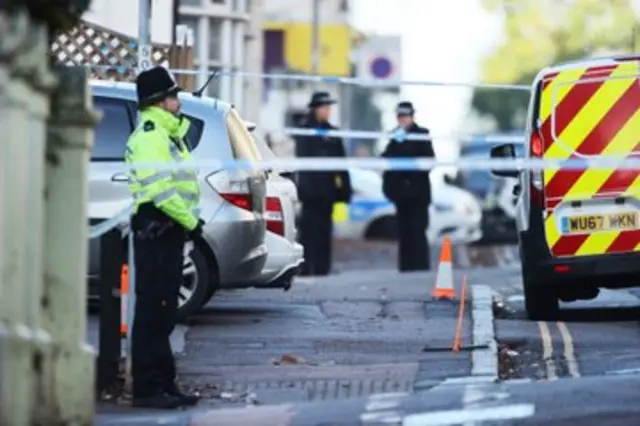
322, 389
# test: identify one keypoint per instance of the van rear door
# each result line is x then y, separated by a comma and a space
587, 112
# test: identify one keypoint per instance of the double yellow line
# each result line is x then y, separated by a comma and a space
547, 350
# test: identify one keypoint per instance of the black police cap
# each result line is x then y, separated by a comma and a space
154, 85
321, 98
405, 108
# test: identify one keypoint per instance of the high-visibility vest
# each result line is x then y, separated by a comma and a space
158, 138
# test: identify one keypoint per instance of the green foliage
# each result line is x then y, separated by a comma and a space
541, 33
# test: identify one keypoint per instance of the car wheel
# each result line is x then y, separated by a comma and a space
384, 229
540, 299
196, 283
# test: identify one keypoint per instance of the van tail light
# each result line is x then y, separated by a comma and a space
537, 183
235, 192
274, 216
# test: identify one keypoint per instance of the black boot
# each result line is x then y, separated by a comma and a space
158, 400
185, 399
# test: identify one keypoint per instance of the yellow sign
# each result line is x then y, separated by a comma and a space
334, 41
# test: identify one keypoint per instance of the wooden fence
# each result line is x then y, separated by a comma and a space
113, 56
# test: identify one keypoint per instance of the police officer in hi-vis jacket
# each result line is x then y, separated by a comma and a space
165, 214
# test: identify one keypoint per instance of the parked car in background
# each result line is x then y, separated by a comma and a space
453, 211
232, 251
495, 194
285, 254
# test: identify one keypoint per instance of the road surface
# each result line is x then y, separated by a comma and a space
369, 346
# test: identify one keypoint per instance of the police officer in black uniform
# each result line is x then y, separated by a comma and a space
410, 191
319, 190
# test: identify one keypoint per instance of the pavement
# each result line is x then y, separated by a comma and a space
369, 346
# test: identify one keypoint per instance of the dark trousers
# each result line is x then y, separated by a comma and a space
316, 228
413, 248
158, 259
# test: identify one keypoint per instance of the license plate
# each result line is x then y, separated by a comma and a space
596, 223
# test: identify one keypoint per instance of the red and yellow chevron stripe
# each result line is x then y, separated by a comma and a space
590, 111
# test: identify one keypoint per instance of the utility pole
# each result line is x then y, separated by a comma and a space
144, 35
315, 38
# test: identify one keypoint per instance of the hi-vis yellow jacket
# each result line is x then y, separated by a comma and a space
158, 138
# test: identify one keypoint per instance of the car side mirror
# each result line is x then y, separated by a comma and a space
504, 151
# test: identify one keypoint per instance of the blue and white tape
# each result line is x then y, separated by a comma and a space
400, 135
328, 79
383, 164
121, 218
379, 164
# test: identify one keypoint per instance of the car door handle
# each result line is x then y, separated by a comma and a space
119, 177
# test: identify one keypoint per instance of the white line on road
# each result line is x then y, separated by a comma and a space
547, 350
383, 409
569, 350
455, 417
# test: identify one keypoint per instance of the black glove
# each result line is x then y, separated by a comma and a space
197, 231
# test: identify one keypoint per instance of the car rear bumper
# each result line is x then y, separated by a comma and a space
236, 238
284, 260
609, 270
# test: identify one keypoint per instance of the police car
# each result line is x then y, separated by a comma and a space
579, 230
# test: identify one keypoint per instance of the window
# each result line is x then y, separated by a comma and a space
195, 131
240, 6
112, 133
190, 2
213, 90
215, 39
193, 22
218, 1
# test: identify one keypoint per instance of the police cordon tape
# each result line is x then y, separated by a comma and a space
601, 162
400, 135
325, 79
378, 164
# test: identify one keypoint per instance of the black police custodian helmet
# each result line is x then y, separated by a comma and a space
319, 99
404, 109
154, 85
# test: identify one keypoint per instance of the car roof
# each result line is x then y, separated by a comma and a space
127, 90
211, 110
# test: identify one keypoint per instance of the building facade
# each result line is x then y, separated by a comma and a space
227, 37
288, 48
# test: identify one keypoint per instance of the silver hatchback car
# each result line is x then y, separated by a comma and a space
232, 251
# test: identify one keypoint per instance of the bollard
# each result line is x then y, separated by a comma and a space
111, 257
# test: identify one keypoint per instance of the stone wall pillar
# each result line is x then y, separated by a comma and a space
71, 364
24, 85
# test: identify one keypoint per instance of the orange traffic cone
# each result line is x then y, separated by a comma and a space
444, 279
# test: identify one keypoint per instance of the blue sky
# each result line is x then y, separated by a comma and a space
442, 40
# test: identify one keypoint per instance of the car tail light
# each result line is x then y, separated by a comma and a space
537, 183
235, 192
239, 200
274, 216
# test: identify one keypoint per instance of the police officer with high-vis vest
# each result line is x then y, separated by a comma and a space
165, 215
